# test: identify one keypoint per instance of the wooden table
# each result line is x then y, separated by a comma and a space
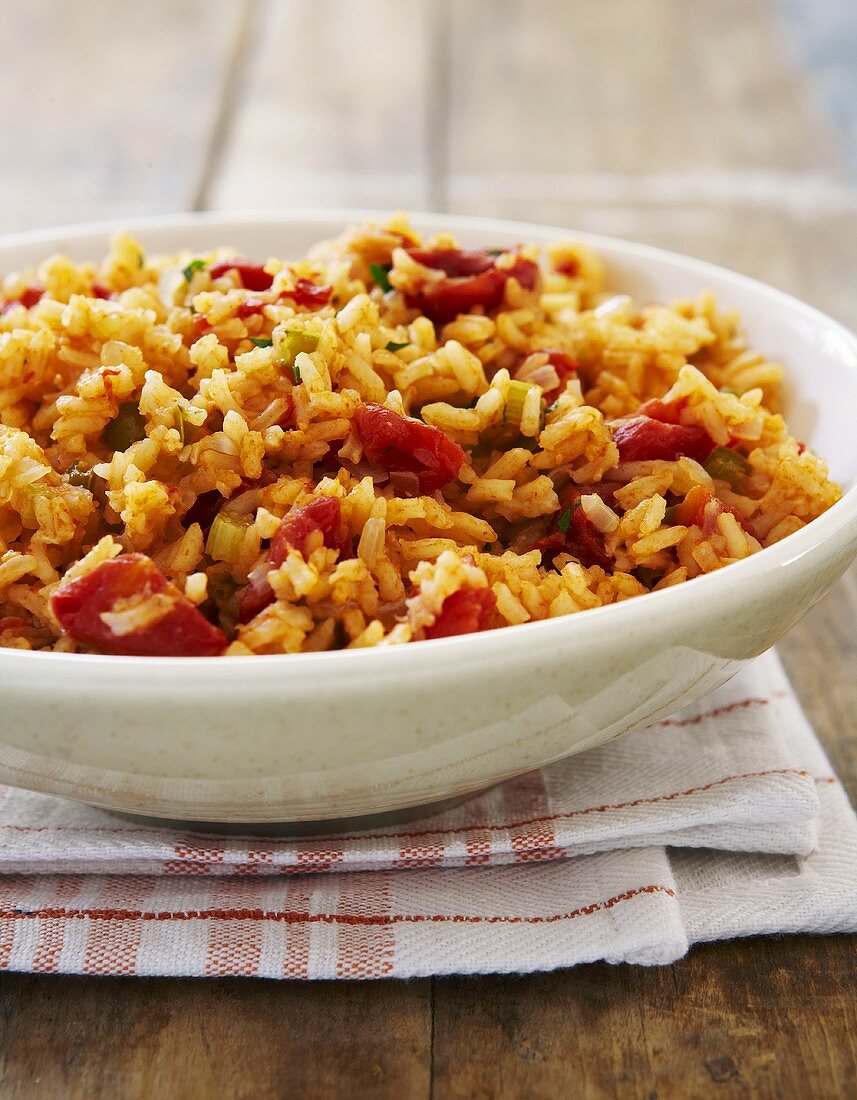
702, 127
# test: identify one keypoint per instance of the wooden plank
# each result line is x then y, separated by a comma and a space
661, 87
107, 109
337, 108
199, 1040
774, 1018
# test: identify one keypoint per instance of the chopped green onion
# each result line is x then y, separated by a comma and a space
296, 372
516, 395
379, 274
127, 427
726, 465
564, 520
226, 536
194, 265
262, 341
393, 346
79, 477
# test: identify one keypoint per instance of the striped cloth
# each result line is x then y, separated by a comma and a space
724, 820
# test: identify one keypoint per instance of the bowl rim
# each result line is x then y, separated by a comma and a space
375, 661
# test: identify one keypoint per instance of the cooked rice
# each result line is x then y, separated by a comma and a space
222, 415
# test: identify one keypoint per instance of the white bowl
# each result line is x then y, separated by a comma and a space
336, 735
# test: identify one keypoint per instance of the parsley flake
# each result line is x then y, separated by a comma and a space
296, 371
262, 341
379, 273
392, 345
564, 519
194, 265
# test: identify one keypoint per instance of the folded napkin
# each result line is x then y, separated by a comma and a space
724, 820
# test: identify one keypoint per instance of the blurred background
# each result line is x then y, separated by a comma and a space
725, 129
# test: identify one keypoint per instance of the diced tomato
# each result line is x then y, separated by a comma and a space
581, 539
99, 290
181, 631
669, 412
464, 612
473, 280
643, 438
568, 266
694, 510
286, 419
565, 367
251, 307
321, 515
309, 295
28, 298
253, 276
402, 445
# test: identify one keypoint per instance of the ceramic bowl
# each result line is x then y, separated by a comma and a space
321, 736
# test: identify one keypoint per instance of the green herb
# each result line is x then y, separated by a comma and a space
494, 251
553, 407
564, 520
127, 427
262, 341
726, 465
194, 265
79, 477
379, 274
296, 371
226, 536
393, 346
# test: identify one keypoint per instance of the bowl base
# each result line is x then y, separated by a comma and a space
322, 827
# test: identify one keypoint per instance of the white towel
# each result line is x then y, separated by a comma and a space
724, 820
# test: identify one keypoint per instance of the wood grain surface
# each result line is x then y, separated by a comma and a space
707, 128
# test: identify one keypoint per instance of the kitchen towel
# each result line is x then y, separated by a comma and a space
723, 820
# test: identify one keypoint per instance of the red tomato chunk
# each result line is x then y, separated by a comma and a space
122, 584
403, 446
565, 368
30, 296
322, 516
694, 509
253, 276
464, 612
581, 539
642, 439
309, 295
472, 281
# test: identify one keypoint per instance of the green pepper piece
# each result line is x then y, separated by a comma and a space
127, 427
727, 465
